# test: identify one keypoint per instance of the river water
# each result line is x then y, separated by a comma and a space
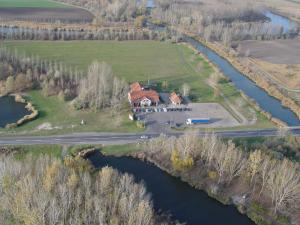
278, 20
11, 111
266, 102
173, 196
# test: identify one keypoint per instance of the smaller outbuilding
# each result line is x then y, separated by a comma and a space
175, 98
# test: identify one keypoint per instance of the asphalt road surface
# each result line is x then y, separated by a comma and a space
109, 139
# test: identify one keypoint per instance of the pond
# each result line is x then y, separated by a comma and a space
278, 20
11, 111
173, 196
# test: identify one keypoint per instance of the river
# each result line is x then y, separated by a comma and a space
171, 195
11, 111
266, 102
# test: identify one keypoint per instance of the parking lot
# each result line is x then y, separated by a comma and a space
161, 119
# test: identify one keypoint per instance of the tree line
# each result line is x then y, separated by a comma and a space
48, 191
97, 88
119, 34
112, 10
225, 21
273, 182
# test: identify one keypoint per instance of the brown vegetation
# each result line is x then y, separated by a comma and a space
101, 89
79, 33
286, 74
216, 20
112, 10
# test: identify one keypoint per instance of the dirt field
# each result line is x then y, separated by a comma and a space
277, 52
71, 15
279, 58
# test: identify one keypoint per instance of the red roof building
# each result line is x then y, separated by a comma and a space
136, 87
175, 98
140, 97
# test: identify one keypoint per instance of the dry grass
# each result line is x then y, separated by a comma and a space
286, 74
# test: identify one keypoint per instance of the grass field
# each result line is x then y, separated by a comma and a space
32, 4
64, 119
119, 150
133, 61
38, 150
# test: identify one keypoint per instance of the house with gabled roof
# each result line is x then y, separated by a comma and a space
139, 97
175, 98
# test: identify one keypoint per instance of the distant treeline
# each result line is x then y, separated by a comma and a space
223, 21
120, 34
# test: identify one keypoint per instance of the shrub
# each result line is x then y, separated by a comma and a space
212, 175
140, 124
180, 164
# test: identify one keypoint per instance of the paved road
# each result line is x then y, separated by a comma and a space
101, 138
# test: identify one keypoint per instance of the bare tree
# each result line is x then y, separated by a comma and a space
284, 184
185, 90
100, 89
47, 191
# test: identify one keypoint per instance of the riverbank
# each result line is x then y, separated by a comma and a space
170, 194
233, 194
236, 194
238, 112
259, 81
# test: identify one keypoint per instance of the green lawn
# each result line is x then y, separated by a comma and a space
37, 150
64, 119
31, 3
131, 60
119, 150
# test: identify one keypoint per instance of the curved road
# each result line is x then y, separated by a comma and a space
108, 139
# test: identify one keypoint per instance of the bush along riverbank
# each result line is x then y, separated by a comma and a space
261, 82
29, 106
264, 188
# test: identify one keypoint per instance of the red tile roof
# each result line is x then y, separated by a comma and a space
175, 98
137, 96
136, 87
